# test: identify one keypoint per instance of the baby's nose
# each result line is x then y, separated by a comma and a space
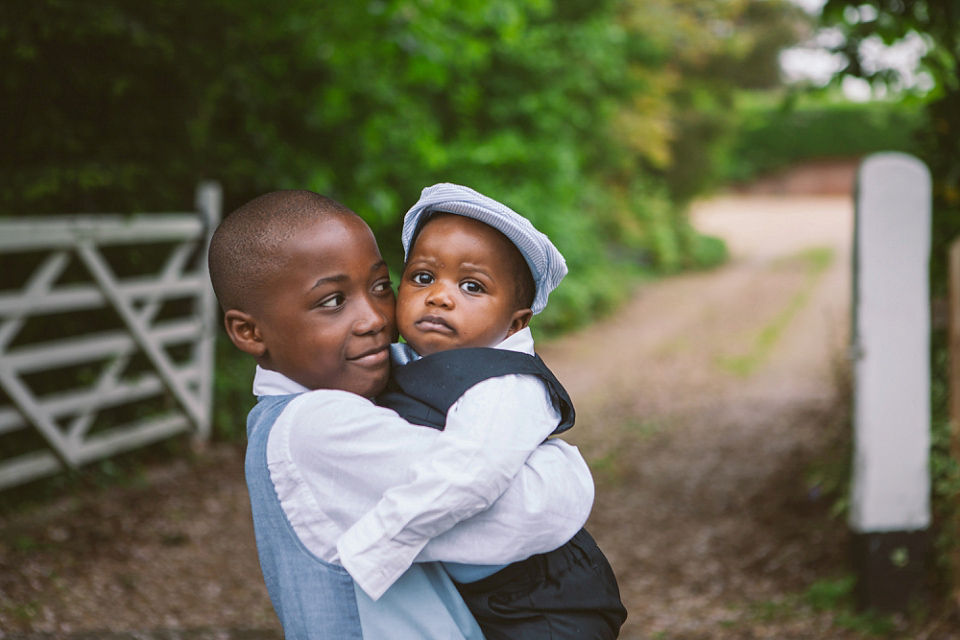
439, 295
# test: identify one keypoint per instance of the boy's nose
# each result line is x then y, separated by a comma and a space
371, 318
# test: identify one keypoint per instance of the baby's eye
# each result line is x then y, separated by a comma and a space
471, 287
333, 301
422, 278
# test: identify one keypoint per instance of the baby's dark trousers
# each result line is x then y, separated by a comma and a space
566, 594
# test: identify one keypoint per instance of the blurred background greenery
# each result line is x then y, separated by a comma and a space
595, 119
600, 120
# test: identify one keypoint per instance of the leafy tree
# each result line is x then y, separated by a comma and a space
595, 119
113, 105
707, 51
938, 22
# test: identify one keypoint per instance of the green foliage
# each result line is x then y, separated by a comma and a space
708, 251
944, 468
713, 66
938, 21
861, 20
836, 595
594, 119
773, 133
869, 623
232, 390
829, 594
941, 151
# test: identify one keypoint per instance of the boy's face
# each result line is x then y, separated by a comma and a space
328, 319
458, 288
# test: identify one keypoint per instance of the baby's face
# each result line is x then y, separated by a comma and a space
329, 318
458, 289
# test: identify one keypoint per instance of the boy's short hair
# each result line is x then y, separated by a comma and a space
248, 245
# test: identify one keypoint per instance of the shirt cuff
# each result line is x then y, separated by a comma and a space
372, 560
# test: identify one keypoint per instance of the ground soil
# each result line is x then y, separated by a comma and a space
710, 407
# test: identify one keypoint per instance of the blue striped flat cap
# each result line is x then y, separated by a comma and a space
546, 264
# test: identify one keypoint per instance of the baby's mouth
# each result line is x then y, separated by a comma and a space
434, 323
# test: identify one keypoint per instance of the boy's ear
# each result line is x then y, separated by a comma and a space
243, 332
519, 321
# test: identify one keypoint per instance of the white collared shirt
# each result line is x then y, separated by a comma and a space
333, 455
493, 428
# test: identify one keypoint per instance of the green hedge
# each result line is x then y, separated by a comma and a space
772, 132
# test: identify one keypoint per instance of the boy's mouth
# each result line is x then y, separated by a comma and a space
434, 323
372, 357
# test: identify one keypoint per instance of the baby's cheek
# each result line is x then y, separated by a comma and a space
404, 314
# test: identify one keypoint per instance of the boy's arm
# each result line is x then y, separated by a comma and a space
468, 540
496, 426
333, 455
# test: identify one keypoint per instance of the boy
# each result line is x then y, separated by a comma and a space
305, 292
475, 273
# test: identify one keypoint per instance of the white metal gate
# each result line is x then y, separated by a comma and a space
153, 367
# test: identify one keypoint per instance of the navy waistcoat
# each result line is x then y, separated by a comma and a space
422, 391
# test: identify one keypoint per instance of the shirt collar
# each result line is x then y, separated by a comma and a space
271, 383
521, 341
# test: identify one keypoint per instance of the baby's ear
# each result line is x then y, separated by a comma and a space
519, 320
243, 332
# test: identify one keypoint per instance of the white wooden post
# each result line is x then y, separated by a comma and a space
890, 494
209, 202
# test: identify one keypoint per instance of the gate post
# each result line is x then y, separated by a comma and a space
890, 493
209, 202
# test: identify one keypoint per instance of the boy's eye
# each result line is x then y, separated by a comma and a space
471, 287
382, 286
333, 301
422, 278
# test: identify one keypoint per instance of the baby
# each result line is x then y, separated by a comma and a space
475, 274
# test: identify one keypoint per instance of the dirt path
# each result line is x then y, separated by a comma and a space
700, 407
